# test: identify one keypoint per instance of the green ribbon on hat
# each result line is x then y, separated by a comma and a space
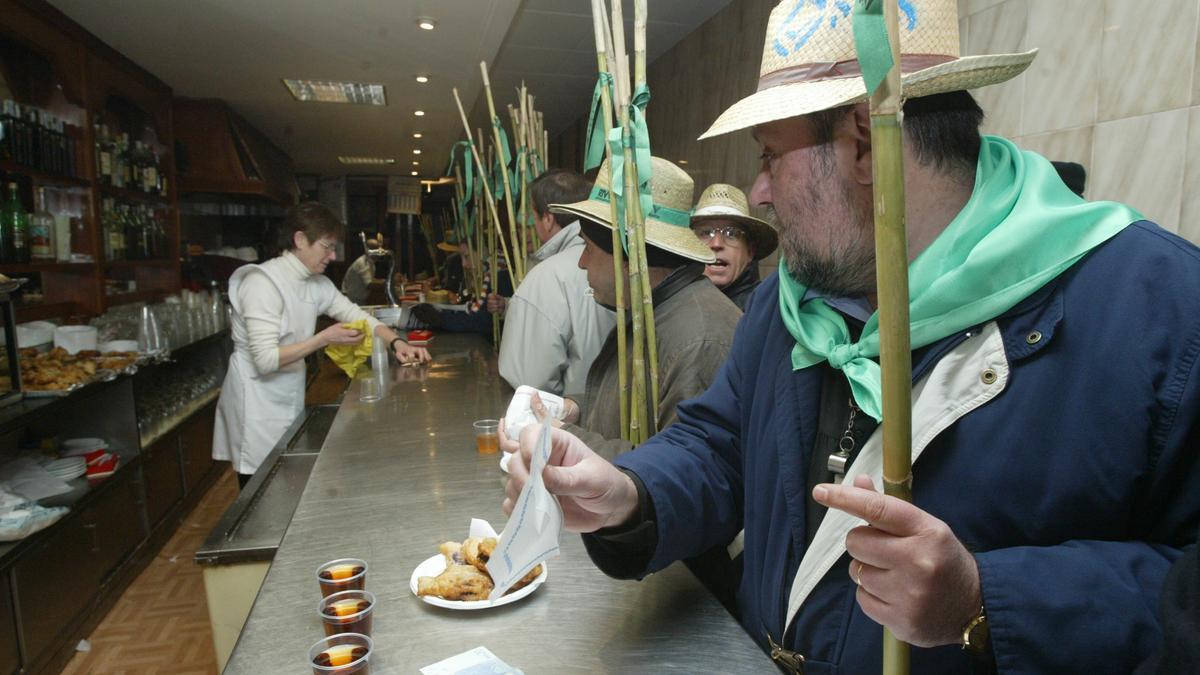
1021, 228
593, 156
663, 214
638, 140
871, 42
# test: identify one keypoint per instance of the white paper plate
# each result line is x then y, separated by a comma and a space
435, 565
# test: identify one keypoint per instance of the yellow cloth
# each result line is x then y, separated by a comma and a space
350, 357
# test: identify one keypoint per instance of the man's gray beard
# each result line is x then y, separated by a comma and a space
848, 272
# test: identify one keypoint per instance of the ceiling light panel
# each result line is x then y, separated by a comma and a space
378, 161
320, 91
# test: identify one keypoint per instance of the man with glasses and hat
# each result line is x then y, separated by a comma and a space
722, 221
1055, 349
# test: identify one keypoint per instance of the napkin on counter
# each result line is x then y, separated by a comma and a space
531, 535
520, 412
350, 357
478, 661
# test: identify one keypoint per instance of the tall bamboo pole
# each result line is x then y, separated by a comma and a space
491, 202
515, 267
638, 418
602, 52
639, 53
891, 265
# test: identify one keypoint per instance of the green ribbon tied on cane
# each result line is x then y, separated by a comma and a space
871, 42
593, 156
468, 182
638, 139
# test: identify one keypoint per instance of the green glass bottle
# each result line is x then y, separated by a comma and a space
16, 225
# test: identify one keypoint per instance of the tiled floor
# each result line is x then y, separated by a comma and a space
160, 623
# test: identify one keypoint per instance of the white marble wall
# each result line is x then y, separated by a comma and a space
1115, 87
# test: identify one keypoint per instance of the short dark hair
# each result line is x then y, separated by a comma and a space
313, 219
601, 236
558, 186
943, 129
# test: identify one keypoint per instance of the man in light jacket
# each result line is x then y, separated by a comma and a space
553, 329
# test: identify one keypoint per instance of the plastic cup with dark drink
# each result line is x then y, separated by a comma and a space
487, 436
347, 612
344, 574
341, 654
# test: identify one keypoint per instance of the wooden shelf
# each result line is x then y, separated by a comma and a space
136, 296
129, 264
134, 196
41, 177
42, 311
47, 267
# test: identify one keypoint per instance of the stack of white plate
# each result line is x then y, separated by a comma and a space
81, 446
67, 468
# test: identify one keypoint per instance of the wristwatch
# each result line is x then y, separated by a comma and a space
975, 634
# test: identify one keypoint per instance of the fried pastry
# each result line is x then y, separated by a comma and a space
458, 582
477, 551
453, 552
526, 580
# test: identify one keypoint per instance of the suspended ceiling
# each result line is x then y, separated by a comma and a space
239, 50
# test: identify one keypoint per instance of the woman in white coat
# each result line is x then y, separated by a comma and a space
275, 310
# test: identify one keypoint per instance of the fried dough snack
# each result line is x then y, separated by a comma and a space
54, 370
466, 576
458, 582
477, 551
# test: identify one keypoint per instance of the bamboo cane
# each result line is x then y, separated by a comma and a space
491, 202
639, 419
516, 272
598, 14
639, 53
891, 264
525, 177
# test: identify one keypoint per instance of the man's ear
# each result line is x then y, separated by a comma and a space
860, 129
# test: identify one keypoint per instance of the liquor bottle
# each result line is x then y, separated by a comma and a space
127, 161
34, 126
150, 174
17, 225
70, 132
41, 230
104, 154
7, 129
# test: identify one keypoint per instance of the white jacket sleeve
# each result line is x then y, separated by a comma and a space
262, 310
534, 347
338, 306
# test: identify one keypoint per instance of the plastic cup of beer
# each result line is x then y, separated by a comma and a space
341, 654
347, 612
343, 574
487, 436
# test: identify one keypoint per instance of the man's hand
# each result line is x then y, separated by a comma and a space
496, 304
913, 574
406, 353
592, 492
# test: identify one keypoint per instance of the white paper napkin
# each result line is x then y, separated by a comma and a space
531, 535
520, 414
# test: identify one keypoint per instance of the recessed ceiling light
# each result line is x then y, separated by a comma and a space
416, 173
416, 163
321, 91
683, 161
426, 24
422, 79
418, 135
416, 152
366, 160
419, 113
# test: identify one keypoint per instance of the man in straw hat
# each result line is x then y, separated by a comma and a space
356, 285
722, 221
553, 329
694, 321
1055, 348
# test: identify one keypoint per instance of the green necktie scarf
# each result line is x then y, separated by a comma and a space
1020, 229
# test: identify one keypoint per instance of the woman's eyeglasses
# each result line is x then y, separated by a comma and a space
731, 233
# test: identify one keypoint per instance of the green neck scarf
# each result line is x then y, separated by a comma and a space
1021, 228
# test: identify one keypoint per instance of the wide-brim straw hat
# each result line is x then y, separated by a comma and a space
668, 225
810, 64
449, 242
726, 202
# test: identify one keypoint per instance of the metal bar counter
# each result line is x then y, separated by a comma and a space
398, 476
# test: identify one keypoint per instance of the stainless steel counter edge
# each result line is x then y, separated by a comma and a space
398, 476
